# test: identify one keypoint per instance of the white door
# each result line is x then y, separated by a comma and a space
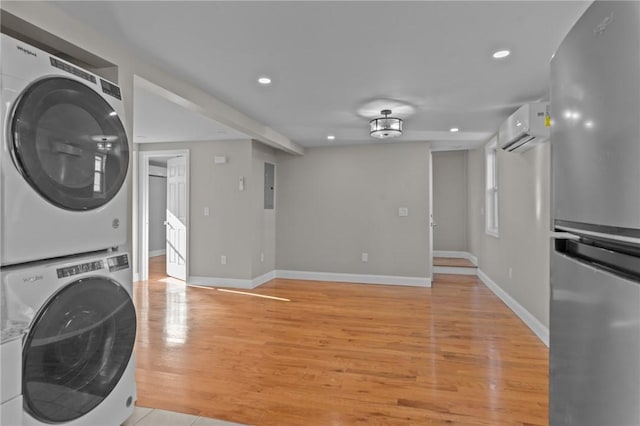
176, 217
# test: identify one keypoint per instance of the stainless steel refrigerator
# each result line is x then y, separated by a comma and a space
595, 258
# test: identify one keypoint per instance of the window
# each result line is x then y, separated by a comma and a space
491, 199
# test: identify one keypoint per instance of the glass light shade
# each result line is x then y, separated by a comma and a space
385, 127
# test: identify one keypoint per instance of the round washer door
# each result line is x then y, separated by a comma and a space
69, 144
77, 349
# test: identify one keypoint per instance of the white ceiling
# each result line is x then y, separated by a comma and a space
333, 61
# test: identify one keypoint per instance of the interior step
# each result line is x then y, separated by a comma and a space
453, 261
453, 265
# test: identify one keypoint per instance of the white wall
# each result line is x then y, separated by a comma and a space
450, 201
157, 214
336, 203
523, 245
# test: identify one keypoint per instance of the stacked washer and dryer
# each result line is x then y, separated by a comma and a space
68, 320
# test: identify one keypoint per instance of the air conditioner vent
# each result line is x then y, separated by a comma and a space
525, 128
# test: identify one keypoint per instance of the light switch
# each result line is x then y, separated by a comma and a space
403, 211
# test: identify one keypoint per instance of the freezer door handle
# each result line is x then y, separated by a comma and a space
564, 236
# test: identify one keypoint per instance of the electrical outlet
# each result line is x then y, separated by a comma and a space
223, 260
365, 257
510, 273
261, 257
206, 211
403, 211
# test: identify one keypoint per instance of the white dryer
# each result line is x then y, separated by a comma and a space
77, 354
64, 158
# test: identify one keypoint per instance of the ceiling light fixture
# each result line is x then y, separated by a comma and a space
454, 130
500, 54
264, 80
331, 137
385, 127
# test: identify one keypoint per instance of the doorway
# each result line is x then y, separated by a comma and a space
176, 212
450, 212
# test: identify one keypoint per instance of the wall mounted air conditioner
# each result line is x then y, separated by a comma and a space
525, 128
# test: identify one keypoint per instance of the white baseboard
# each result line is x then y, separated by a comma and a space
532, 322
355, 278
456, 254
454, 270
258, 281
220, 282
231, 282
160, 252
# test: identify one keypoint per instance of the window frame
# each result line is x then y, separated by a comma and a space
492, 189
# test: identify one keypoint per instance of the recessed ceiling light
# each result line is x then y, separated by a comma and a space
454, 129
264, 80
331, 137
500, 54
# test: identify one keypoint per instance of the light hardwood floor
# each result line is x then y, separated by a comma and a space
339, 354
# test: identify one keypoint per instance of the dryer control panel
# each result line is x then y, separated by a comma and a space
71, 69
117, 263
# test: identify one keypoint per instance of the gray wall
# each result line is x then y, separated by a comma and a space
157, 212
226, 231
336, 203
237, 227
523, 245
450, 201
264, 220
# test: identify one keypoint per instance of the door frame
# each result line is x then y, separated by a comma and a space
430, 221
143, 204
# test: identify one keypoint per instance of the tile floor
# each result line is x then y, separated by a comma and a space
143, 416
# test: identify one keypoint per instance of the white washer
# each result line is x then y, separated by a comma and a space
64, 158
77, 361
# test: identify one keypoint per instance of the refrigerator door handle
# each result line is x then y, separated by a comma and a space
564, 236
620, 238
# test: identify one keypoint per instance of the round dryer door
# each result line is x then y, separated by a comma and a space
69, 144
77, 349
